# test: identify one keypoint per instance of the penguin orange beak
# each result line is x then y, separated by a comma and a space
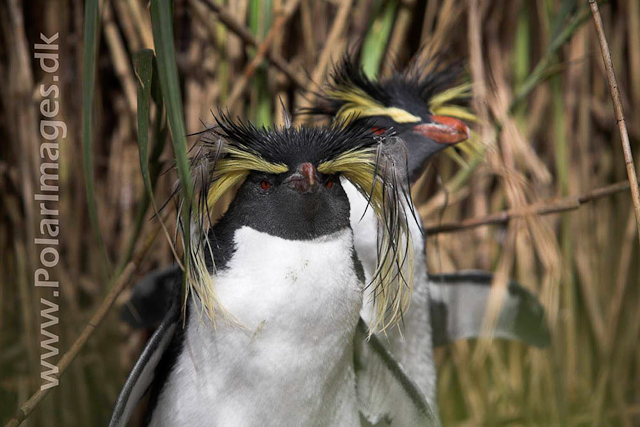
444, 130
304, 180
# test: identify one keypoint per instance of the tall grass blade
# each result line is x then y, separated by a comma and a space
377, 39
148, 88
143, 67
539, 72
260, 20
161, 21
91, 35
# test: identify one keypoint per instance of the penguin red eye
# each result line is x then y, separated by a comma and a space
265, 184
329, 184
377, 130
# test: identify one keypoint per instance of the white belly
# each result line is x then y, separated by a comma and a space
414, 348
292, 364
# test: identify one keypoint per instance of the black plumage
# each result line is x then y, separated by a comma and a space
411, 89
291, 145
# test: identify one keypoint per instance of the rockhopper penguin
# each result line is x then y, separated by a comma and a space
424, 107
271, 332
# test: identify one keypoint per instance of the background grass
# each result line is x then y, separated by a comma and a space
547, 131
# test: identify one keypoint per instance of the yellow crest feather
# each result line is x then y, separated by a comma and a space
392, 288
440, 99
228, 173
358, 104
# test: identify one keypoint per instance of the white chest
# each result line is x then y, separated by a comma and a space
291, 364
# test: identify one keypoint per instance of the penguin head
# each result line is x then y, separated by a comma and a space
419, 105
299, 204
292, 191
289, 181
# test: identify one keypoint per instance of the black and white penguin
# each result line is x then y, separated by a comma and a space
423, 106
272, 332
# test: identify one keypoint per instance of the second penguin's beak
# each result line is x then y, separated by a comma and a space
304, 179
444, 130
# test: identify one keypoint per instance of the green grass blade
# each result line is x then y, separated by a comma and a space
143, 68
148, 88
161, 20
539, 73
522, 51
260, 20
159, 132
377, 39
168, 74
567, 9
91, 35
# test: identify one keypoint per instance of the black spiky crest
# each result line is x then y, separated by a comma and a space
411, 90
291, 145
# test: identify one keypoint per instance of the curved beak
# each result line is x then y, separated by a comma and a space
304, 179
444, 130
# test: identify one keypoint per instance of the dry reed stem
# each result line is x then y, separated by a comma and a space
23, 124
118, 286
263, 49
245, 35
143, 21
588, 288
121, 60
617, 106
617, 299
563, 205
319, 72
307, 33
479, 102
128, 26
398, 35
448, 15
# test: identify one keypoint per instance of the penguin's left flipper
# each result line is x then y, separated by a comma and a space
457, 303
144, 370
386, 395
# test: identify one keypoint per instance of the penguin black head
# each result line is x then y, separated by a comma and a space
298, 205
306, 200
290, 187
415, 104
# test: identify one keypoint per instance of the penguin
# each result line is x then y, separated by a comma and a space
423, 106
270, 332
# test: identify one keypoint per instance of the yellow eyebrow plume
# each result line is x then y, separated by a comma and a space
392, 294
357, 103
227, 174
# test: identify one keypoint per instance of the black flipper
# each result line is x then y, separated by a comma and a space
143, 372
458, 301
150, 298
386, 395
